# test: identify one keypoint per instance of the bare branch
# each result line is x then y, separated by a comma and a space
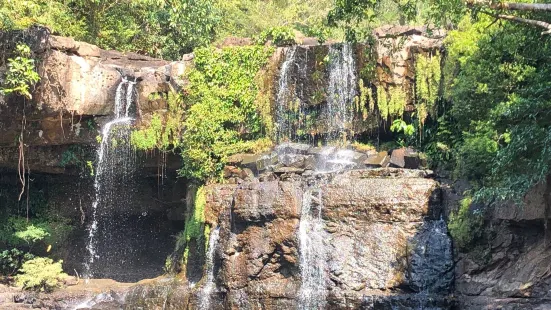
521, 20
511, 6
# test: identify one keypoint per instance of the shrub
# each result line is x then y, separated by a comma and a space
21, 74
278, 35
41, 274
11, 261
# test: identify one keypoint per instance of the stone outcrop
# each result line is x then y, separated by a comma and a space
382, 239
508, 268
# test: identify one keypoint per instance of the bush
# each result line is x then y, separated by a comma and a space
12, 260
278, 35
465, 226
476, 154
41, 274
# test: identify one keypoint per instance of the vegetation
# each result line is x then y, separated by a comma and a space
164, 130
21, 74
195, 230
223, 118
277, 35
41, 274
465, 225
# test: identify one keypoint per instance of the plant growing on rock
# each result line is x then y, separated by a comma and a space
223, 118
21, 74
279, 36
465, 225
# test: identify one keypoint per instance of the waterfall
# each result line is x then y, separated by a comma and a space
115, 162
341, 90
285, 95
205, 294
313, 258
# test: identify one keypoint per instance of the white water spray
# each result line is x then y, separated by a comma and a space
108, 156
313, 257
210, 285
342, 89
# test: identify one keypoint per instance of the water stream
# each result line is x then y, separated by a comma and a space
115, 163
341, 90
210, 285
313, 257
285, 95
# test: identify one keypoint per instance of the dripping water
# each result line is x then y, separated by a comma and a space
115, 161
341, 90
210, 285
285, 95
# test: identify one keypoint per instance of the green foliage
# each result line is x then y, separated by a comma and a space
57, 15
164, 130
391, 102
12, 260
16, 231
500, 103
476, 154
42, 274
249, 18
427, 85
194, 230
277, 35
165, 29
223, 117
465, 226
21, 74
32, 234
399, 125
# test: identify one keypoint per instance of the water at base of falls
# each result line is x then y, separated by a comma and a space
114, 168
210, 285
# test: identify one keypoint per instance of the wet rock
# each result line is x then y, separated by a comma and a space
292, 160
292, 148
249, 161
266, 160
283, 170
322, 151
431, 264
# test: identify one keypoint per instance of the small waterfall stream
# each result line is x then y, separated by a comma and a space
206, 290
115, 162
285, 94
341, 91
313, 259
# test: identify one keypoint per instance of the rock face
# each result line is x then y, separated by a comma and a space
381, 234
509, 267
77, 88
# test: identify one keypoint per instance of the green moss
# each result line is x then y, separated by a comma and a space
465, 226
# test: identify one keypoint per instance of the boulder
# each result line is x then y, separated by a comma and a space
379, 160
292, 148
405, 158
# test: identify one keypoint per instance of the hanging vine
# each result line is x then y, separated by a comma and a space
427, 82
19, 80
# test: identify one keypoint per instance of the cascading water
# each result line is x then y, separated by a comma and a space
115, 164
313, 267
285, 94
205, 294
341, 90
